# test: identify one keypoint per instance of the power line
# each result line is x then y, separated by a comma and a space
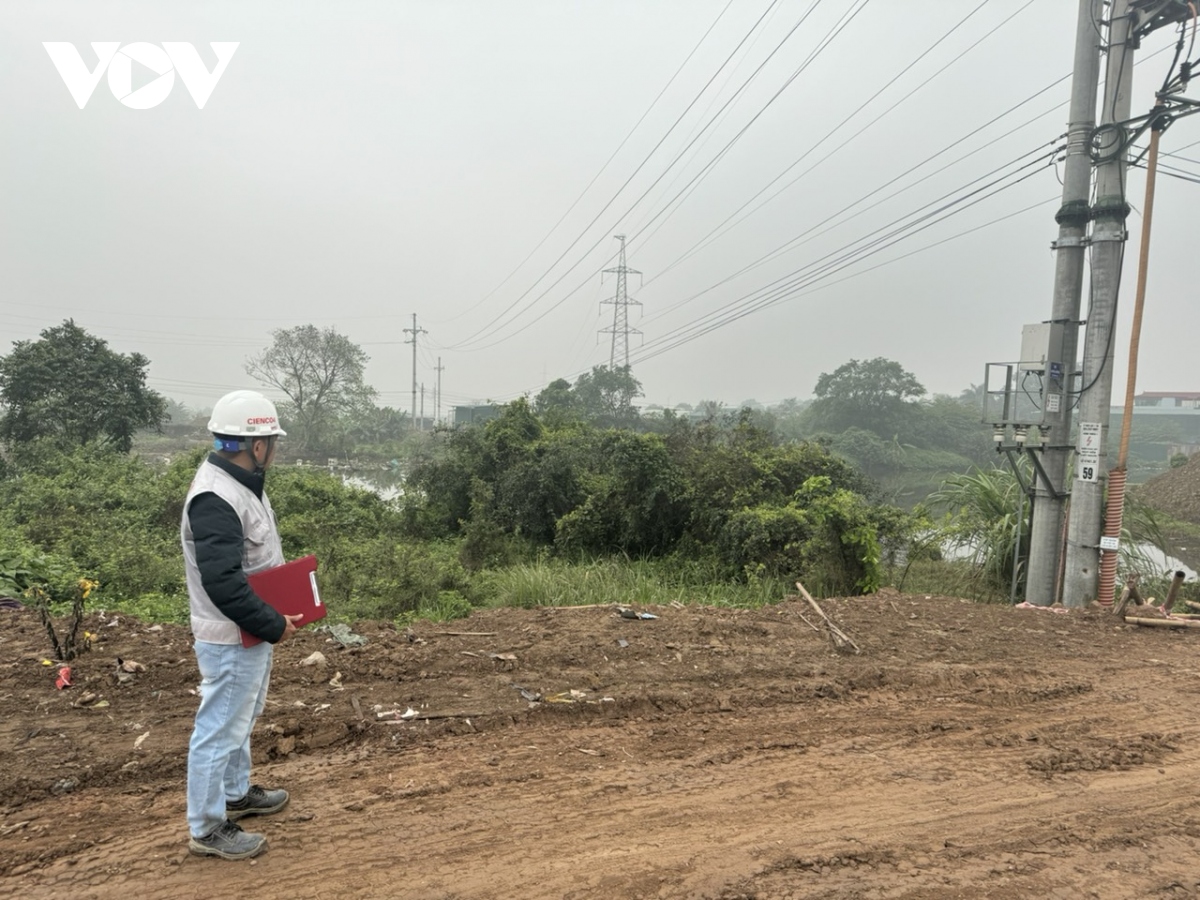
713, 235
826, 42
812, 282
776, 292
471, 338
796, 241
613, 156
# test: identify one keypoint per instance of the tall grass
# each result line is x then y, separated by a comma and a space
621, 582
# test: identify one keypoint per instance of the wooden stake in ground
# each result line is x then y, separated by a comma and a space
841, 641
1163, 623
1176, 584
1130, 593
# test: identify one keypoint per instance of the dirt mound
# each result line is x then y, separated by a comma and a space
1175, 492
968, 750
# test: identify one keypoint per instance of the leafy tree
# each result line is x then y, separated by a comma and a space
828, 536
557, 403
321, 372
973, 397
955, 424
876, 394
374, 426
178, 413
605, 396
634, 497
70, 386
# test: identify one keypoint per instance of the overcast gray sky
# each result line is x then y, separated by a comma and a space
361, 162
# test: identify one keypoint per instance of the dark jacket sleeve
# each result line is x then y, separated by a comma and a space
217, 532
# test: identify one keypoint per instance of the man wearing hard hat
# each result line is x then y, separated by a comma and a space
229, 532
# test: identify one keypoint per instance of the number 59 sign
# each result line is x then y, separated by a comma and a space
1088, 454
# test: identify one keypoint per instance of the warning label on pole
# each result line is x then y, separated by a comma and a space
1088, 455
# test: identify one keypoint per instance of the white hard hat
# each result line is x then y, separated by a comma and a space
245, 414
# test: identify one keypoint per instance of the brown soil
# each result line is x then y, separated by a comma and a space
1175, 492
969, 751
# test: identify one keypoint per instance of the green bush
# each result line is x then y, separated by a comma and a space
111, 515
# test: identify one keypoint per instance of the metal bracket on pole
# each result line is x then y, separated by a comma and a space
1031, 452
1104, 239
1037, 464
1063, 243
1154, 14
1169, 107
1016, 467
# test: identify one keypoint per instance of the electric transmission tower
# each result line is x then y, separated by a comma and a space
621, 302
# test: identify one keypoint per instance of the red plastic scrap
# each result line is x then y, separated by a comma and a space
64, 678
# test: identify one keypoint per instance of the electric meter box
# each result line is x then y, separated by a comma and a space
1042, 346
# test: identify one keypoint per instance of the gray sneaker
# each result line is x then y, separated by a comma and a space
257, 802
228, 841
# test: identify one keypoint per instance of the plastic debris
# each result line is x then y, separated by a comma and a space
85, 698
531, 696
1034, 606
342, 634
140, 740
127, 669
336, 681
627, 613
395, 713
571, 696
622, 643
11, 603
64, 678
317, 658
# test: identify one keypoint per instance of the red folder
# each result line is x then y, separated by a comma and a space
290, 589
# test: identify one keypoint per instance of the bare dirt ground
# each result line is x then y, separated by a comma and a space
969, 751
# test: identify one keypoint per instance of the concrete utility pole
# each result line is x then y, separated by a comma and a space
414, 331
1072, 217
422, 406
1108, 250
438, 394
621, 302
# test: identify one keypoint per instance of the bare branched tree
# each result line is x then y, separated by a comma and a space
321, 372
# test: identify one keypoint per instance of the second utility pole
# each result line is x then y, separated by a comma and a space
1072, 217
414, 331
438, 394
1108, 250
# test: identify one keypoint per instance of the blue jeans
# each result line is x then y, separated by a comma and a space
233, 691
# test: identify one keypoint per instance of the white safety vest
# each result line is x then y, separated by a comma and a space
261, 548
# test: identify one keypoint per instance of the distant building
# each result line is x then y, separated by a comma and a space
1165, 423
474, 415
1185, 402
